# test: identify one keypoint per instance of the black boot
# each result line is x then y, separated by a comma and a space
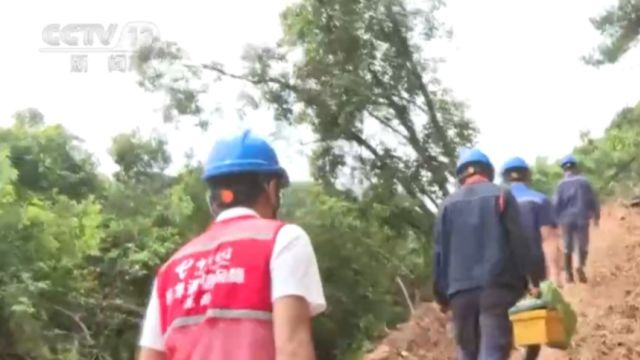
582, 262
582, 277
568, 267
531, 352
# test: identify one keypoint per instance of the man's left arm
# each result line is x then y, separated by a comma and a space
296, 292
439, 270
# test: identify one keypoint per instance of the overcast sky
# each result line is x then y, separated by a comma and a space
516, 63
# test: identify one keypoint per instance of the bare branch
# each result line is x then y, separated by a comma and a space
406, 295
403, 46
124, 306
218, 69
76, 319
406, 185
387, 123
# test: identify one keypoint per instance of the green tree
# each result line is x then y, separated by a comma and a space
364, 86
545, 175
610, 161
49, 158
138, 158
78, 249
360, 257
620, 27
146, 212
50, 220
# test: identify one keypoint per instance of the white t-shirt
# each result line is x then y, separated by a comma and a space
294, 271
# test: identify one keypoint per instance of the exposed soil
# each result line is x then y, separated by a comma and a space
608, 306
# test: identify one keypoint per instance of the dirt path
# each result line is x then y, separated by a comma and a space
608, 306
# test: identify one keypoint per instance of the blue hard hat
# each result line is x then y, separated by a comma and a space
472, 156
568, 160
243, 153
515, 163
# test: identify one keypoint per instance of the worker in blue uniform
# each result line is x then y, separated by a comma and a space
482, 260
536, 215
575, 203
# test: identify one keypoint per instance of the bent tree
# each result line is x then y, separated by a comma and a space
360, 75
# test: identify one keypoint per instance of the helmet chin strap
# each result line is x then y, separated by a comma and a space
274, 200
210, 203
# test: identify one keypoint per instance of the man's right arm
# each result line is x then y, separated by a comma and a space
292, 328
296, 292
151, 354
151, 340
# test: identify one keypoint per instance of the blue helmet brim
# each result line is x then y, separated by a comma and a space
280, 172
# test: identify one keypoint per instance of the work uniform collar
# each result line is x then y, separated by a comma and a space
475, 179
236, 212
519, 185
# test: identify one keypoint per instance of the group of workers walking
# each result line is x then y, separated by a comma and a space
248, 287
493, 243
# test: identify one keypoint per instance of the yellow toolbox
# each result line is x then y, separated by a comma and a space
538, 327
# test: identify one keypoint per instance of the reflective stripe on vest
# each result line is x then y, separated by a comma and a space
220, 314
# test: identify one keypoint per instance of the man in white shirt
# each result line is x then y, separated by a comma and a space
247, 288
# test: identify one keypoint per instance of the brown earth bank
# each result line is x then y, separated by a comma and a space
608, 306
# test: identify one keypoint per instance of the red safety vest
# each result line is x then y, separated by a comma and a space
215, 293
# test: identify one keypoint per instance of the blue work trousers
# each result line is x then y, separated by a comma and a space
483, 330
575, 238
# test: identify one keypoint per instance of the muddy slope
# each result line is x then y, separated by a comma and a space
608, 306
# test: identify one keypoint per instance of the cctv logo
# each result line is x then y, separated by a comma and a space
98, 37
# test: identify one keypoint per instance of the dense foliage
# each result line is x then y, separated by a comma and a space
80, 249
